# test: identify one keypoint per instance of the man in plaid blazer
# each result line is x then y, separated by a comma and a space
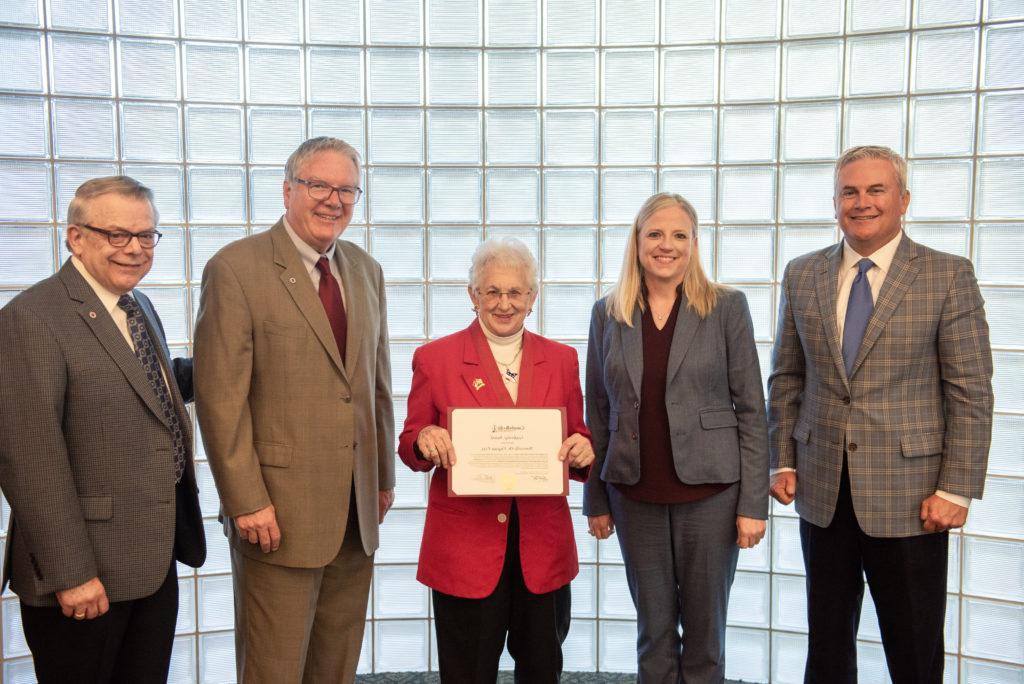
880, 416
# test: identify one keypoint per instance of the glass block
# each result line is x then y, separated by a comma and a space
999, 513
750, 73
1003, 59
953, 564
396, 195
401, 645
453, 77
1006, 456
787, 556
789, 655
813, 69
208, 500
405, 310
171, 302
993, 630
876, 122
747, 654
570, 196
453, 136
396, 136
142, 17
1002, 123
183, 660
810, 132
148, 69
216, 603
870, 61
213, 72
869, 629
512, 77
586, 546
614, 600
450, 309
265, 193
83, 129
994, 569
570, 77
513, 136
748, 134
579, 650
807, 193
169, 259
27, 254
747, 194
346, 124
400, 534
273, 21
789, 604
570, 253
568, 316
400, 252
216, 657
628, 22
453, 22
749, 600
570, 22
513, 22
616, 646
690, 76
940, 189
512, 196
401, 371
213, 134
80, 65
68, 177
871, 663
90, 15
623, 191
214, 19
613, 249
410, 487
942, 126
630, 77
22, 53
23, 12
395, 76
629, 137
394, 22
397, 594
751, 19
14, 639
989, 673
746, 253
999, 252
814, 18
274, 75
455, 195
945, 12
945, 60
1007, 386
365, 664
999, 183
274, 134
1003, 9
528, 235
952, 238
762, 306
877, 15
335, 76
570, 137
150, 132
697, 186
216, 194
688, 136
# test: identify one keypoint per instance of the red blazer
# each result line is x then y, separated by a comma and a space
463, 547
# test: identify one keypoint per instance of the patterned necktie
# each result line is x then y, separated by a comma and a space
858, 311
146, 353
330, 297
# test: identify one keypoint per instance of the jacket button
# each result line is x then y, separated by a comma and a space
852, 446
636, 405
846, 400
502, 517
633, 436
347, 400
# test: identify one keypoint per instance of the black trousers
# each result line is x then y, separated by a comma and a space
131, 643
907, 576
471, 632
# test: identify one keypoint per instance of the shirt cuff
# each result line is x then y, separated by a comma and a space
776, 471
954, 498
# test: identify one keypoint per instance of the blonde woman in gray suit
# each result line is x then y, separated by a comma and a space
676, 407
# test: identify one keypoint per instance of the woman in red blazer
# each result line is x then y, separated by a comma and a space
497, 565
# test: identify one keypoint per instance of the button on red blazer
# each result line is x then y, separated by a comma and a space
464, 538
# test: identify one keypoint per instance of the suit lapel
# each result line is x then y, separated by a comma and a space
355, 310
687, 323
480, 372
632, 344
534, 375
826, 286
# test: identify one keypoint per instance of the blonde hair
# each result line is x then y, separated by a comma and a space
899, 164
628, 293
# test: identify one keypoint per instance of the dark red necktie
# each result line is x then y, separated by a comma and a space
330, 297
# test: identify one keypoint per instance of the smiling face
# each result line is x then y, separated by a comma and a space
869, 204
663, 246
319, 222
503, 315
118, 269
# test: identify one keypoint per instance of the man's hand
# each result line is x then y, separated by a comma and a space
783, 487
577, 450
939, 515
386, 497
84, 602
601, 526
749, 531
435, 444
260, 528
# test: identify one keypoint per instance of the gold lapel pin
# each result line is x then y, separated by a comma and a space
478, 384
92, 314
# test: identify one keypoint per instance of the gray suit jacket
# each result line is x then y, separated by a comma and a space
283, 420
916, 412
86, 459
714, 396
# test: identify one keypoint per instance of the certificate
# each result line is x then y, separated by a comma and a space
507, 452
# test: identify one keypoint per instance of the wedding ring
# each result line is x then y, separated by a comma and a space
79, 616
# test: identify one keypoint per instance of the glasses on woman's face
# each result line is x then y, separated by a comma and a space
493, 295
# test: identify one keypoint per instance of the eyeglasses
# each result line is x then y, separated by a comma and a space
493, 295
321, 192
120, 238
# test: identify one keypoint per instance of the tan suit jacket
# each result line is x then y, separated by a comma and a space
282, 419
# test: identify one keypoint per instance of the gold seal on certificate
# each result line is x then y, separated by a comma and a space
507, 452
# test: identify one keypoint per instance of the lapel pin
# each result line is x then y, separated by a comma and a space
478, 384
92, 314
291, 280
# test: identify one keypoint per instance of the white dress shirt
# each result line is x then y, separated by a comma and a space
310, 257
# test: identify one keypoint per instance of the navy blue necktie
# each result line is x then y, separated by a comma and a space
146, 353
858, 311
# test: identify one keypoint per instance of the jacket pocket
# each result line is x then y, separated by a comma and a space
96, 507
274, 455
295, 332
711, 419
802, 433
929, 444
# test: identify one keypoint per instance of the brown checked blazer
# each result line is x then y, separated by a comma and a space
86, 459
916, 413
283, 421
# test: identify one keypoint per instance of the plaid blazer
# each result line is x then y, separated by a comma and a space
915, 414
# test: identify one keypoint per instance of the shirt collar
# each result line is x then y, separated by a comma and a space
309, 255
882, 258
107, 298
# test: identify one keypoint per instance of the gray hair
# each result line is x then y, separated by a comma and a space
315, 146
899, 164
125, 186
506, 252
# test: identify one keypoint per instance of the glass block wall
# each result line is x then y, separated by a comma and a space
549, 120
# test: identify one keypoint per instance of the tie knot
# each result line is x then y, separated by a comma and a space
323, 266
864, 265
127, 304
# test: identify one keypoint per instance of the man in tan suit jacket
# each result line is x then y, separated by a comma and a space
293, 393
